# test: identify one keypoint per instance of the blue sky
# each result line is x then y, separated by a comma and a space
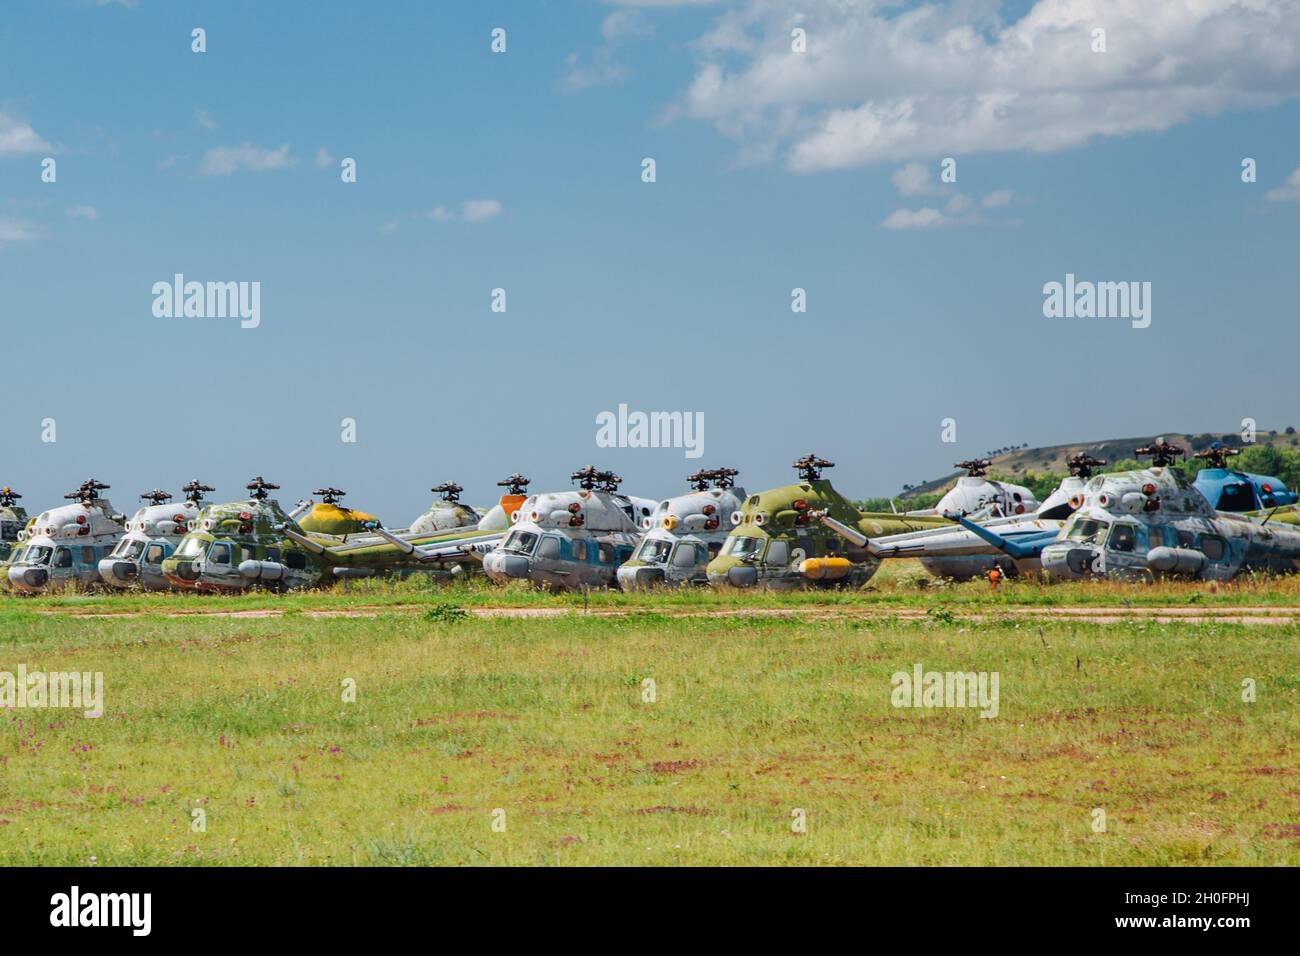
772, 173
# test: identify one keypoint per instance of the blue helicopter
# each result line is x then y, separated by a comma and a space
1227, 489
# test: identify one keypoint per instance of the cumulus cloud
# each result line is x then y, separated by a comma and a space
204, 119
323, 158
886, 83
17, 137
224, 160
1288, 191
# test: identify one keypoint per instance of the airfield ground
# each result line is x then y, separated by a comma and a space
1126, 699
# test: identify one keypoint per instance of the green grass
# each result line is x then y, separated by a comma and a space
543, 718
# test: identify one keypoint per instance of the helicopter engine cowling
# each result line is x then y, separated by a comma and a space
1176, 560
253, 570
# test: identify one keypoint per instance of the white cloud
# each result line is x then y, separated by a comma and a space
171, 159
82, 212
471, 210
323, 158
204, 119
1288, 191
16, 230
883, 82
480, 210
999, 197
924, 218
391, 226
913, 180
18, 137
600, 69
224, 160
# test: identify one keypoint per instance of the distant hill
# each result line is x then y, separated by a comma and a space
1052, 457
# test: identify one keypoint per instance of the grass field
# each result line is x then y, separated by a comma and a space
546, 719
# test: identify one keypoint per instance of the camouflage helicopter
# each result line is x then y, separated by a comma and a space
240, 544
1151, 523
152, 534
66, 543
437, 541
12, 519
954, 552
571, 539
685, 533
327, 516
776, 541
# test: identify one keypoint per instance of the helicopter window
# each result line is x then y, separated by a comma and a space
273, 554
155, 554
38, 554
580, 550
17, 556
1156, 536
684, 556
744, 547
549, 548
714, 548
655, 551
1212, 546
1184, 539
191, 548
1123, 537
87, 555
220, 553
295, 560
63, 558
778, 553
607, 553
130, 549
520, 542
1088, 531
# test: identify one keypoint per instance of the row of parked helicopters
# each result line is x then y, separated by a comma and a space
1148, 523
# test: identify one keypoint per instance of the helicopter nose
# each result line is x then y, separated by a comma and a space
28, 579
738, 576
632, 579
186, 571
506, 565
1068, 561
120, 573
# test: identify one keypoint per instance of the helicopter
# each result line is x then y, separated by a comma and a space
776, 542
1227, 489
152, 534
240, 544
571, 539
12, 519
1151, 523
327, 516
975, 492
953, 552
456, 548
683, 534
66, 543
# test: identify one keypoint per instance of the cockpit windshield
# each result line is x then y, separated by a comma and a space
128, 548
192, 547
744, 547
520, 542
1087, 531
654, 551
17, 556
37, 554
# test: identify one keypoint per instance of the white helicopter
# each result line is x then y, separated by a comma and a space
685, 533
66, 544
153, 533
957, 553
571, 539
